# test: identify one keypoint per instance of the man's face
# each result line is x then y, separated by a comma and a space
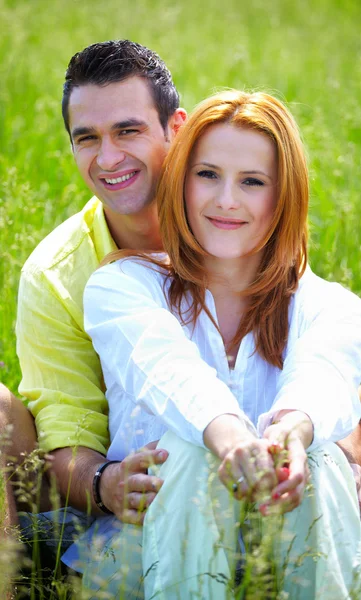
118, 142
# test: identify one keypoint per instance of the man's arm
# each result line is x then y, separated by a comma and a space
62, 382
61, 374
125, 487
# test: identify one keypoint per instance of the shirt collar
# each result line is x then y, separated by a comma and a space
103, 241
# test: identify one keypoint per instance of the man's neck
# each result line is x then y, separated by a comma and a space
139, 231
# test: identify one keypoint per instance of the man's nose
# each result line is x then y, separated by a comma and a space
109, 155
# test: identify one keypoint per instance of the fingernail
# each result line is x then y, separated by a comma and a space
162, 454
263, 509
274, 449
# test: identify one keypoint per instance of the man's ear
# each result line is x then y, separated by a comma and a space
176, 121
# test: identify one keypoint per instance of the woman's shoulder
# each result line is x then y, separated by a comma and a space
147, 267
134, 277
315, 294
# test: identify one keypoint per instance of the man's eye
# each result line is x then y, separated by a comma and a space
124, 132
85, 138
251, 181
207, 174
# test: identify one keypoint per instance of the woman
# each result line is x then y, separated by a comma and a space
283, 354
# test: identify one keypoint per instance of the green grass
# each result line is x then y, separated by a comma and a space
306, 51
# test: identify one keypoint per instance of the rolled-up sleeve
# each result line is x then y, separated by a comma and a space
322, 369
145, 350
61, 374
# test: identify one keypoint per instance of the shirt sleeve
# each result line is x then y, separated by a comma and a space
322, 369
61, 373
144, 349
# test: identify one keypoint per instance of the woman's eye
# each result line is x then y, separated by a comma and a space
251, 181
207, 174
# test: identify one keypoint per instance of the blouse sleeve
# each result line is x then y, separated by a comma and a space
322, 367
146, 351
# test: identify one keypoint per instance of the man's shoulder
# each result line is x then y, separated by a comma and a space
65, 240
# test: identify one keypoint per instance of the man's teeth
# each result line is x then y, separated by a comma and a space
120, 179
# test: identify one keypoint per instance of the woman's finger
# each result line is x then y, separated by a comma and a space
234, 479
289, 501
259, 471
298, 474
248, 471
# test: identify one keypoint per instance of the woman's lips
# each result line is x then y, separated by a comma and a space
222, 223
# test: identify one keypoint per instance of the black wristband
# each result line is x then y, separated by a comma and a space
96, 486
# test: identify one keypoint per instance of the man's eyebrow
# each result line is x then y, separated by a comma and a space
116, 126
82, 131
128, 123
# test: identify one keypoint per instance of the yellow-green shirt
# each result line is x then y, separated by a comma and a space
61, 374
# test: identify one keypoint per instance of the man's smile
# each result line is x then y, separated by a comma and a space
118, 181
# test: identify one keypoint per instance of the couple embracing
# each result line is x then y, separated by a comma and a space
219, 347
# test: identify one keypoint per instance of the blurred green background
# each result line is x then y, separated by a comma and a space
307, 52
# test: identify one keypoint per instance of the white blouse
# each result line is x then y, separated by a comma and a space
161, 374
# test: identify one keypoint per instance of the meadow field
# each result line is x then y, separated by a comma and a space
307, 52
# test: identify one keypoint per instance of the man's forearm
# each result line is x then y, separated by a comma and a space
74, 470
125, 488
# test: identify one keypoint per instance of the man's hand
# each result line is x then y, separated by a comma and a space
126, 488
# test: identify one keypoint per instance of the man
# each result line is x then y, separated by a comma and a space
121, 111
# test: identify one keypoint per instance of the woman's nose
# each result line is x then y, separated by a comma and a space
228, 197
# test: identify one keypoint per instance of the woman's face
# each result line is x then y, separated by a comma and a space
231, 189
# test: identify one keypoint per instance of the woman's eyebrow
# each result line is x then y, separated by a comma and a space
205, 164
253, 172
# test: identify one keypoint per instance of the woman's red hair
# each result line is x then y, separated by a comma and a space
285, 246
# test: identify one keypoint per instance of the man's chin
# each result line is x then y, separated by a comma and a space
126, 207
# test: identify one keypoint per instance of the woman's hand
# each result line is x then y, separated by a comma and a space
288, 439
247, 467
248, 470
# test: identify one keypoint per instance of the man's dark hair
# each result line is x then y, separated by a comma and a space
116, 60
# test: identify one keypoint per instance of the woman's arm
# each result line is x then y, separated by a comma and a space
322, 366
144, 350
